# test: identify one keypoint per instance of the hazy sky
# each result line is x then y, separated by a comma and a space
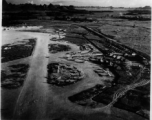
115, 3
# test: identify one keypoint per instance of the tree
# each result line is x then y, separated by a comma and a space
51, 7
111, 7
147, 7
71, 7
4, 4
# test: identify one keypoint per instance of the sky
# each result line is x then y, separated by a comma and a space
104, 3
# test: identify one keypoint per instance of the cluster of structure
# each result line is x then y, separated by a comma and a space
60, 74
130, 70
85, 54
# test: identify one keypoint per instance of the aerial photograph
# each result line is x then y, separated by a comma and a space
75, 59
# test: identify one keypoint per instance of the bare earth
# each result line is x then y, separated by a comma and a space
39, 100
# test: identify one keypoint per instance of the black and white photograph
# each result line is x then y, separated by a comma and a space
75, 59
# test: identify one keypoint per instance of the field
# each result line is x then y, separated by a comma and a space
92, 66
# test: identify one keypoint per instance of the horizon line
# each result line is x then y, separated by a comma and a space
81, 5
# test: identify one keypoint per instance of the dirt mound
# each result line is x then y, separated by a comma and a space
60, 74
15, 78
84, 98
17, 50
54, 48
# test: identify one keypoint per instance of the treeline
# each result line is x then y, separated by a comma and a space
32, 7
139, 12
13, 14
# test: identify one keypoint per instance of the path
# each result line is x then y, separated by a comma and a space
33, 92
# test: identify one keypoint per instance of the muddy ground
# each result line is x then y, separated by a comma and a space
33, 96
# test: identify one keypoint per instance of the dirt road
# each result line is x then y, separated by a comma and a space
34, 90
